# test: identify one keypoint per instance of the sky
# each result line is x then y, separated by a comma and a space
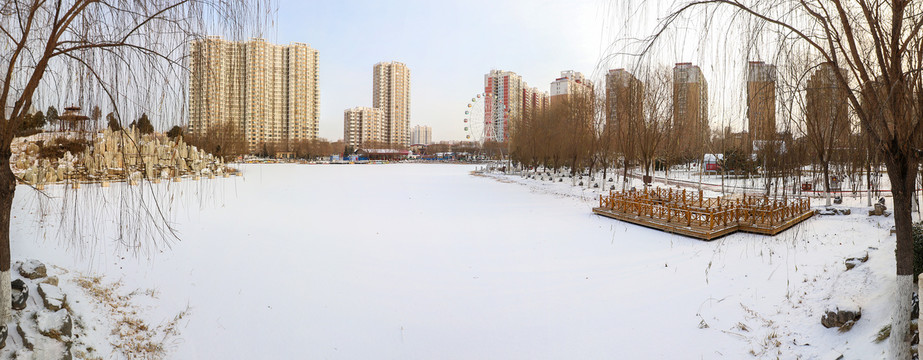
448, 47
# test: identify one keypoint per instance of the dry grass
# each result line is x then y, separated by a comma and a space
847, 326
135, 338
883, 334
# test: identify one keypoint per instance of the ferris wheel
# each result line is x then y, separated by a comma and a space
475, 129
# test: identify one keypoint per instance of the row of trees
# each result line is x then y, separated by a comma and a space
35, 122
631, 126
227, 141
588, 131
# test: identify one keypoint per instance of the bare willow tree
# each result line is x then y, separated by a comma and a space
624, 110
820, 112
657, 112
226, 141
133, 52
880, 45
579, 119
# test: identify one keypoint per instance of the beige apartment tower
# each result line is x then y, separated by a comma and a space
363, 126
570, 83
690, 109
624, 102
391, 94
534, 103
266, 94
761, 101
827, 114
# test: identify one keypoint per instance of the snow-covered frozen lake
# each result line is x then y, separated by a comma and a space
424, 261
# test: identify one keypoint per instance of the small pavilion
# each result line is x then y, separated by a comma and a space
73, 120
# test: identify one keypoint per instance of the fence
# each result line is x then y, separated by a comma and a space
690, 213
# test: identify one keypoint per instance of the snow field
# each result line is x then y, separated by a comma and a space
428, 261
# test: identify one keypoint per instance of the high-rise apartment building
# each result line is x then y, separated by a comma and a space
266, 93
761, 101
827, 115
421, 135
503, 101
391, 94
363, 126
624, 99
873, 101
570, 83
690, 108
534, 102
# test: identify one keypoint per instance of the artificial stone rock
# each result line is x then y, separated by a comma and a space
20, 294
52, 296
832, 211
27, 341
47, 335
839, 317
55, 324
856, 259
878, 210
33, 269
915, 307
4, 331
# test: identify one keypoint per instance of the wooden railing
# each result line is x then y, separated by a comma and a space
692, 209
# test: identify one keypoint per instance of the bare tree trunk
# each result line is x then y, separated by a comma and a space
868, 180
827, 181
701, 170
902, 172
625, 176
666, 173
7, 190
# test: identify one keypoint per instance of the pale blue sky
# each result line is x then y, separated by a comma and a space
448, 46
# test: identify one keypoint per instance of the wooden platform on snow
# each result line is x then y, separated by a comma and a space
701, 218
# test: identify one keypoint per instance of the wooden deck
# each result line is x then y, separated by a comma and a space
692, 215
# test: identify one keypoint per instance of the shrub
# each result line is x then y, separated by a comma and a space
57, 147
174, 132
30, 124
113, 123
144, 125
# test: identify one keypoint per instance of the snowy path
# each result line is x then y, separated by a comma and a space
424, 261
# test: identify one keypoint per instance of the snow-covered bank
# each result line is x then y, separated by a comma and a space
427, 261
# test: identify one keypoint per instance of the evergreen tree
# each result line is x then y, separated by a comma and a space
113, 123
51, 115
175, 131
38, 119
144, 125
